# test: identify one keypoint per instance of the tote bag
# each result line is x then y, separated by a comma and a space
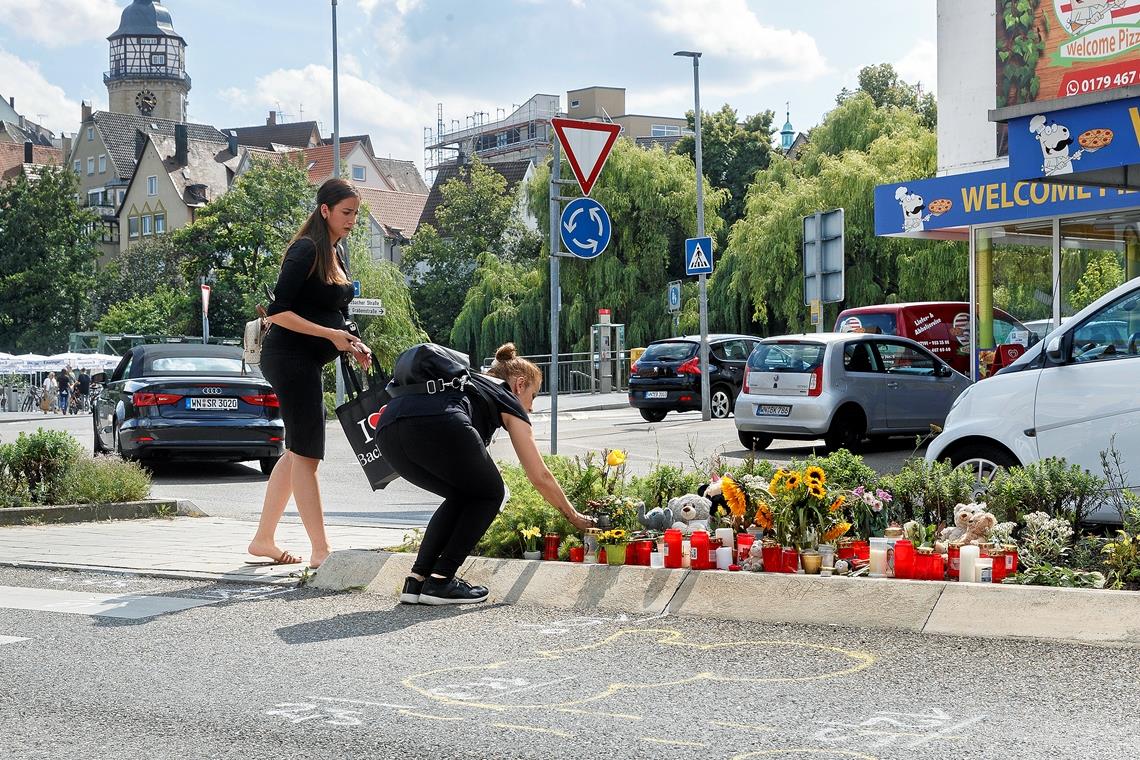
359, 415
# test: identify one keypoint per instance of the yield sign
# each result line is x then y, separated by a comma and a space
587, 145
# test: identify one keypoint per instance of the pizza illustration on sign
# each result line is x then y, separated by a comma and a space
940, 206
1094, 139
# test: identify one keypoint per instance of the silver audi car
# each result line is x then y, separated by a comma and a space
842, 387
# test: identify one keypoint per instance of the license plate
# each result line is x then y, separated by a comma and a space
211, 404
657, 394
773, 410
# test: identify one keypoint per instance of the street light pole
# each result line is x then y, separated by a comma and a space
336, 162
706, 408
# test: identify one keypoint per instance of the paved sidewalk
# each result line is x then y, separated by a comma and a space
198, 547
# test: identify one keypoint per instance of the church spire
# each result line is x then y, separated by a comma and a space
787, 134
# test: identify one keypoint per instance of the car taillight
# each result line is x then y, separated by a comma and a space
691, 367
815, 385
633, 368
155, 399
266, 399
744, 387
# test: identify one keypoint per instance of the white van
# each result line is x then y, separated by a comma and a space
1072, 395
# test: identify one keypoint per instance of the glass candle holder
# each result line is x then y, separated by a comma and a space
577, 553
674, 550
879, 550
744, 543
862, 550
953, 560
772, 555
826, 556
550, 544
791, 560
904, 559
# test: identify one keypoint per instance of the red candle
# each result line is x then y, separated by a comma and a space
773, 558
791, 560
673, 548
699, 550
847, 550
954, 559
577, 553
862, 550
645, 550
937, 570
550, 546
999, 570
904, 559
1010, 559
744, 543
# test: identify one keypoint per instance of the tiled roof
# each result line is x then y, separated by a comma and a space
207, 164
513, 171
319, 160
12, 158
118, 131
397, 212
19, 134
404, 175
297, 134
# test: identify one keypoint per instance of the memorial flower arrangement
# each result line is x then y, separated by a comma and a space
800, 508
529, 537
606, 497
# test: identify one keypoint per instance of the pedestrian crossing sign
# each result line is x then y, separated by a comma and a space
698, 256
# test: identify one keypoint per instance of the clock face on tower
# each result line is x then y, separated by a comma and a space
146, 101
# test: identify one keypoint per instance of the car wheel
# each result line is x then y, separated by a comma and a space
117, 443
754, 441
653, 415
721, 402
267, 464
983, 461
847, 431
98, 446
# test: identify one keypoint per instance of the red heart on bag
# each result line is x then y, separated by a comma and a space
374, 419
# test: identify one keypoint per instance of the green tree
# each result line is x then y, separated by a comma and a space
476, 215
150, 314
47, 261
882, 83
731, 152
399, 328
506, 303
147, 267
1102, 275
240, 239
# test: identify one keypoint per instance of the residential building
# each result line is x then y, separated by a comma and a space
26, 159
174, 178
608, 104
393, 217
15, 128
279, 135
148, 64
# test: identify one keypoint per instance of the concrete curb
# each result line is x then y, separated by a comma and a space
77, 513
951, 609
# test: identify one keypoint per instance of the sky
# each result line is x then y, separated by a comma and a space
400, 58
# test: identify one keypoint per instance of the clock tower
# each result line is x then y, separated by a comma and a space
148, 64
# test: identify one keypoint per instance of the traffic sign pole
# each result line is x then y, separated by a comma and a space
555, 301
706, 407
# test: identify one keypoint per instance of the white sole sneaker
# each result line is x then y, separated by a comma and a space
440, 600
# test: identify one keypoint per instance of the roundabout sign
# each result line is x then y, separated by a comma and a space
585, 228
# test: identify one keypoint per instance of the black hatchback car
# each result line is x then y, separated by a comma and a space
667, 377
188, 401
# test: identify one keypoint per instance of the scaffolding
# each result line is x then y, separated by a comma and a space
523, 134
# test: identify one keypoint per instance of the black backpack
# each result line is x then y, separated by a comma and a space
429, 368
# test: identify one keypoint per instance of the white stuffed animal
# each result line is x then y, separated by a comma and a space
690, 512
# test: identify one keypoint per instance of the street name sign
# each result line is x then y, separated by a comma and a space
585, 228
698, 256
588, 145
370, 307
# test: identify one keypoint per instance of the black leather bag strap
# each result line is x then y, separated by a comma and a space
430, 387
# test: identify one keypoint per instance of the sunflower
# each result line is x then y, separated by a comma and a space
734, 496
792, 481
836, 531
816, 490
815, 474
838, 504
764, 515
774, 483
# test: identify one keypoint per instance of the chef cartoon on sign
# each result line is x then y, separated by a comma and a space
912, 207
1055, 141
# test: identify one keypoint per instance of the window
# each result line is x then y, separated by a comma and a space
194, 365
158, 59
358, 174
148, 40
91, 165
575, 103
736, 350
133, 227
122, 194
905, 360
159, 224
78, 167
90, 134
787, 357
152, 186
664, 130
94, 197
146, 224
857, 357
875, 324
1111, 333
531, 131
102, 164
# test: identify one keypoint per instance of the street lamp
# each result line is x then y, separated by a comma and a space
706, 409
336, 161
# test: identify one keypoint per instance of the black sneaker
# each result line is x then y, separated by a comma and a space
411, 592
451, 591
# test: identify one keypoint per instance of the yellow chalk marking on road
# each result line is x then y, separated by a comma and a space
599, 713
800, 751
536, 729
413, 714
665, 638
675, 742
729, 724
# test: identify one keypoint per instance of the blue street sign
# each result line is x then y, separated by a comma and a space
698, 256
674, 296
356, 288
585, 228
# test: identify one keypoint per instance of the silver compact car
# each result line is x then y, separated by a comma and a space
842, 387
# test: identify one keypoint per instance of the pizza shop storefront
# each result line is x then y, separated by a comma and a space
1046, 233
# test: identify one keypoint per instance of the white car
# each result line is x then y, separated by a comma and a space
1072, 395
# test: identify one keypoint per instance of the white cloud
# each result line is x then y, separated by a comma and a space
37, 98
730, 28
58, 23
920, 64
402, 7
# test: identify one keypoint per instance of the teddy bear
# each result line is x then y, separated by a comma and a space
714, 492
963, 514
981, 524
656, 519
755, 559
690, 512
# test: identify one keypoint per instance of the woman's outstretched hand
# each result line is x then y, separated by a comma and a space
581, 521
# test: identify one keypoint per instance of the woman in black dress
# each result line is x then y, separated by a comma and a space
439, 442
308, 314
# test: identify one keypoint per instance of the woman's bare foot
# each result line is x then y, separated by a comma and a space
274, 552
317, 558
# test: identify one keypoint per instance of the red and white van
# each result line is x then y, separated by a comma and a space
943, 327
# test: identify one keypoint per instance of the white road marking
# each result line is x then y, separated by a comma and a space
127, 606
10, 640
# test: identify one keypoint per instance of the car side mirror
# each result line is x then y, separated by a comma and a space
943, 370
99, 377
1055, 350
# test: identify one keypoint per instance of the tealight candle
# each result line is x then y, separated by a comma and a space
725, 536
723, 557
968, 557
878, 558
983, 570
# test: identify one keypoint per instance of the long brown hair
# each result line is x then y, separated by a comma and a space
508, 365
316, 229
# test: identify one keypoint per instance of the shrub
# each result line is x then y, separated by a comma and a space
928, 493
13, 490
1050, 486
330, 405
105, 480
41, 461
1045, 539
526, 506
1122, 557
845, 470
1051, 575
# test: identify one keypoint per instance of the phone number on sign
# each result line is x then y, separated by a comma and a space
1103, 82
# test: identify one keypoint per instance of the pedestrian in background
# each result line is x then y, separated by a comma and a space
49, 386
308, 319
82, 386
63, 380
438, 441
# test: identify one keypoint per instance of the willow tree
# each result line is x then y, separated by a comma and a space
857, 147
506, 303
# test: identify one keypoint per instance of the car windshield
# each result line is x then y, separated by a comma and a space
786, 357
878, 324
197, 365
669, 351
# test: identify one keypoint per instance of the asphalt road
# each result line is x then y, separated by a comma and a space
236, 490
272, 673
